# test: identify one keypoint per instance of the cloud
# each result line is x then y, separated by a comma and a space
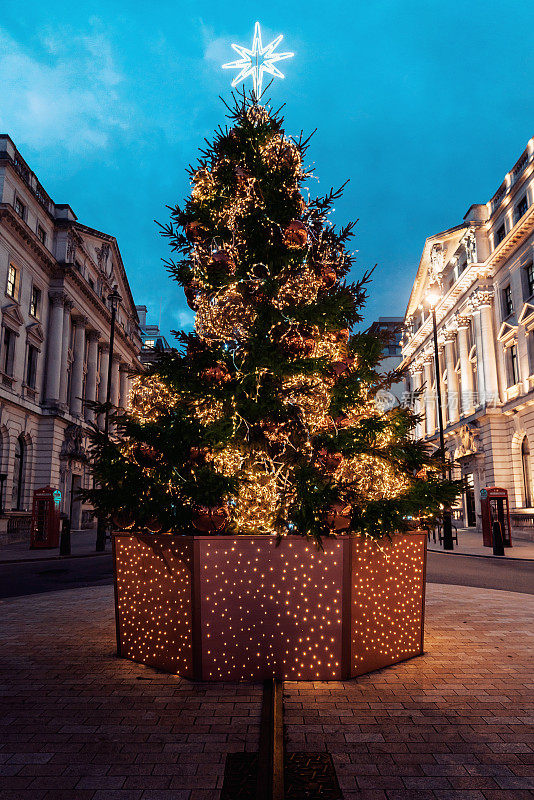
68, 95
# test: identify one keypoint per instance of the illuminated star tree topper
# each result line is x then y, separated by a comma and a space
257, 61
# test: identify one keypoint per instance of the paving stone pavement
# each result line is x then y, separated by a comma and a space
454, 724
76, 723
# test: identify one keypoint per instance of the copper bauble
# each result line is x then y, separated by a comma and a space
217, 374
211, 519
192, 292
328, 277
199, 455
223, 261
195, 231
329, 461
123, 519
338, 368
153, 525
295, 235
297, 344
145, 454
338, 516
342, 335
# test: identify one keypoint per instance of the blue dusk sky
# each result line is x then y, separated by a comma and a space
424, 105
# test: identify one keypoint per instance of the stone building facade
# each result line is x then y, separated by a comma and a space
55, 277
481, 274
153, 342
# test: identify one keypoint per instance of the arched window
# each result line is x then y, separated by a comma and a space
527, 473
17, 496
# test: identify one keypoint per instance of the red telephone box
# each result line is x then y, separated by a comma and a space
494, 508
45, 518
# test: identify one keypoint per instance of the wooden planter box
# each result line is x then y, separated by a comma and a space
240, 608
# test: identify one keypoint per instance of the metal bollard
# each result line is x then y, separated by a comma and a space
64, 542
498, 544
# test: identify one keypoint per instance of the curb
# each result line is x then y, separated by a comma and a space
480, 555
52, 558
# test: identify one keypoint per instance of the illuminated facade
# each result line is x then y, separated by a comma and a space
482, 274
55, 276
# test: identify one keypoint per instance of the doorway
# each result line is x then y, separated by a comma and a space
75, 503
471, 517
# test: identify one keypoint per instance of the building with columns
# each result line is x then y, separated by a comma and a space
479, 275
56, 275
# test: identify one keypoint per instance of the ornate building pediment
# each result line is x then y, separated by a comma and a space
526, 316
11, 312
507, 332
35, 332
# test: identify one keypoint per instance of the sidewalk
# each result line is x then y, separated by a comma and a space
79, 724
470, 544
83, 543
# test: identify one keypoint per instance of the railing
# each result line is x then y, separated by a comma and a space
519, 167
501, 191
18, 528
522, 520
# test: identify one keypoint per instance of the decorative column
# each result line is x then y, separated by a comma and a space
115, 381
65, 355
466, 370
76, 388
103, 385
430, 400
452, 378
55, 336
124, 399
92, 365
488, 342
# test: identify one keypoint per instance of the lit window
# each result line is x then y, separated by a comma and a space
12, 282
41, 234
20, 208
35, 302
150, 342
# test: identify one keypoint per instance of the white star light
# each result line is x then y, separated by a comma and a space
257, 61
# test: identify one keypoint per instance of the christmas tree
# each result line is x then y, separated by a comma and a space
264, 420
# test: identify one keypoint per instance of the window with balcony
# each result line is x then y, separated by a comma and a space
507, 301
499, 235
521, 208
13, 280
31, 367
35, 302
513, 366
20, 208
41, 234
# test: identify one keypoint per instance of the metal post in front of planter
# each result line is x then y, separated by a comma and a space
114, 299
447, 514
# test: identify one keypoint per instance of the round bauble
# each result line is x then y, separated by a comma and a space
123, 519
199, 455
295, 235
195, 231
329, 461
153, 525
339, 368
192, 294
145, 454
338, 516
222, 261
211, 519
328, 277
295, 343
342, 336
217, 374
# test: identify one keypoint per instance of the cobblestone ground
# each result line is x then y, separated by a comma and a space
454, 724
77, 723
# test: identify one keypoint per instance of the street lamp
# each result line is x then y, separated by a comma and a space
433, 298
114, 299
